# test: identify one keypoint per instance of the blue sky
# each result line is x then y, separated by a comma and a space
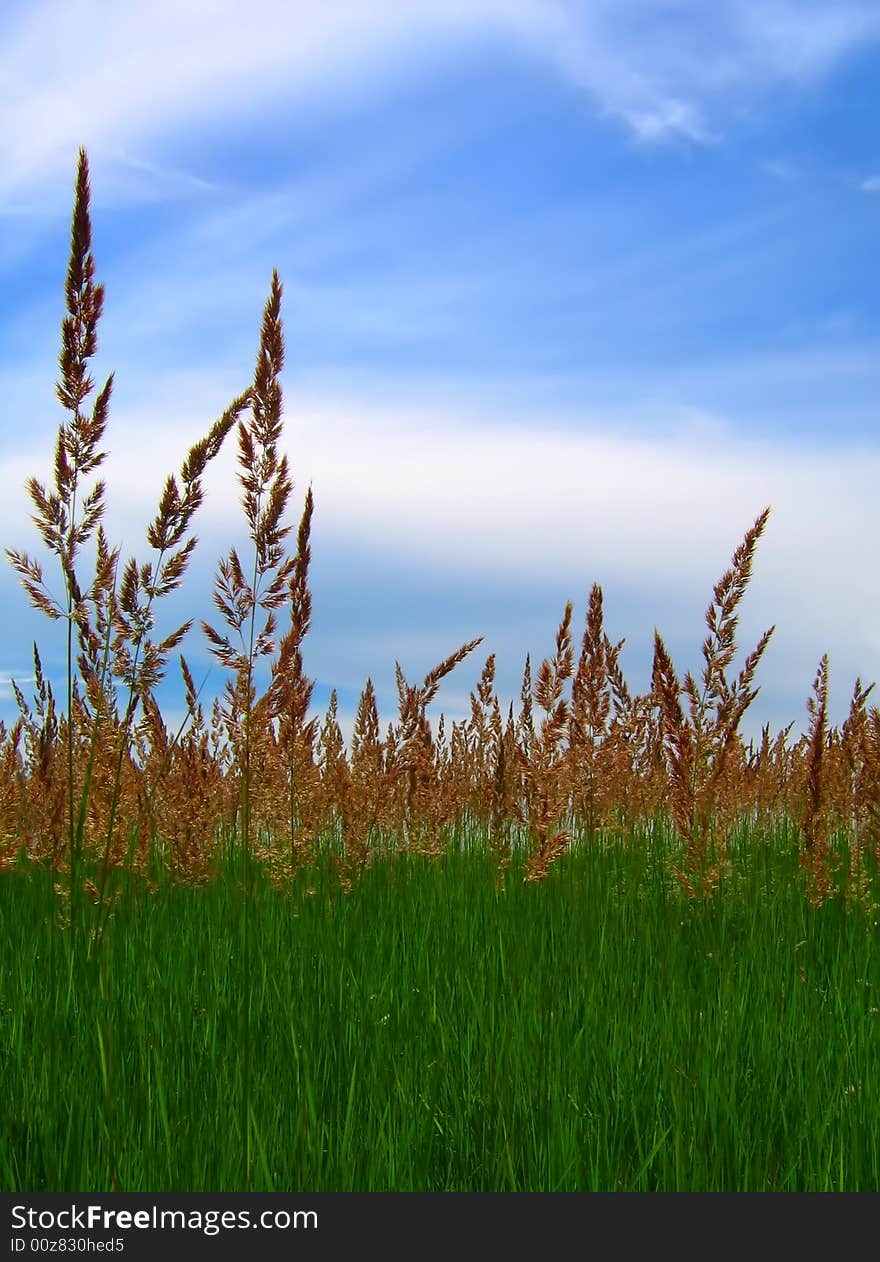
571, 291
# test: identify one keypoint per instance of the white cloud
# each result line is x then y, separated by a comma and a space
467, 498
871, 184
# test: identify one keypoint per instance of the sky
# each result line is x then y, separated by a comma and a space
572, 290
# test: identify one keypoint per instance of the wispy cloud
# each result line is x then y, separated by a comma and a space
136, 179
683, 69
124, 80
781, 169
871, 184
7, 678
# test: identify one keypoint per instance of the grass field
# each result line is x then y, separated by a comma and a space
437, 1031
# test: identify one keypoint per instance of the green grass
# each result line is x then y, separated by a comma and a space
432, 1032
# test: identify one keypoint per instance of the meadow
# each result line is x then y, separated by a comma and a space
593, 940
